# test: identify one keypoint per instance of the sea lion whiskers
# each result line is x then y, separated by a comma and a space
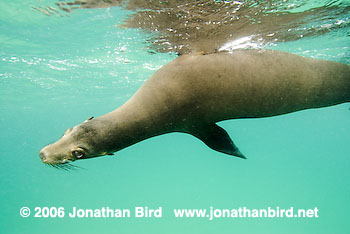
58, 166
66, 166
71, 166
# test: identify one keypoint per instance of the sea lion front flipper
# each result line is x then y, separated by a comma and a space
218, 139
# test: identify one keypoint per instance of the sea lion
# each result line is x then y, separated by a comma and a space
193, 92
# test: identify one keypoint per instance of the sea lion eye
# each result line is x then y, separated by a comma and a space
78, 154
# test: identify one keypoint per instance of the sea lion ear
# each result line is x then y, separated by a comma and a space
217, 138
89, 119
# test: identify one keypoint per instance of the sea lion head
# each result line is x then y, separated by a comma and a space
79, 142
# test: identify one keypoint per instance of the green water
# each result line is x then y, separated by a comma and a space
55, 72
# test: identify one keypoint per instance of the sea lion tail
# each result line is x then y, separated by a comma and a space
217, 139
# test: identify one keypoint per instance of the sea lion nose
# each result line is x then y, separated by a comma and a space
42, 156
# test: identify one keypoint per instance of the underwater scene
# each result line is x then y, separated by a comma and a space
62, 62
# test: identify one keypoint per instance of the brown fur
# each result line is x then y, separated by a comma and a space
193, 92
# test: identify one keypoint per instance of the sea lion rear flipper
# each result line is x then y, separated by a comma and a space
218, 139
